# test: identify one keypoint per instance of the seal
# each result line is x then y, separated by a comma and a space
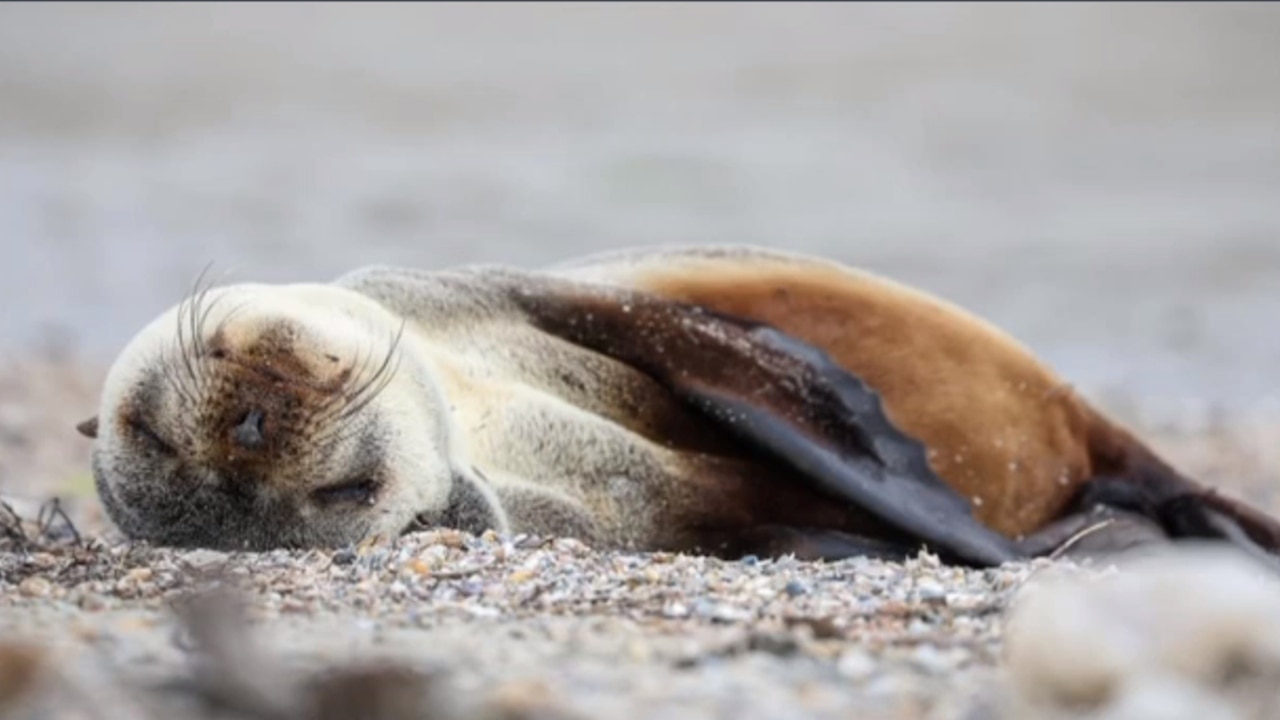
721, 400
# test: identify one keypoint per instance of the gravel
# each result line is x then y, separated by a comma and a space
601, 634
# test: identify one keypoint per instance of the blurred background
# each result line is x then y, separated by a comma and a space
1102, 180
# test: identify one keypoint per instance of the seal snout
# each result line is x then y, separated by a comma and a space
248, 433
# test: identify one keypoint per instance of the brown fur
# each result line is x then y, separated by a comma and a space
1002, 428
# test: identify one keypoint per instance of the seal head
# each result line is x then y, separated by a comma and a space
254, 424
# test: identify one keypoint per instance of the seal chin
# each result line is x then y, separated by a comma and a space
215, 520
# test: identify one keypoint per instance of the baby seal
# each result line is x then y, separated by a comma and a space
718, 400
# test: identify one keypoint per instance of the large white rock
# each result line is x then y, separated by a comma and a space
1190, 633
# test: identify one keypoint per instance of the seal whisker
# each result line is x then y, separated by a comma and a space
204, 311
193, 310
337, 429
228, 316
353, 401
336, 434
188, 340
380, 379
181, 337
349, 404
187, 371
332, 406
171, 373
374, 392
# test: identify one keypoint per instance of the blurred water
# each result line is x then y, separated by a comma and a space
1099, 179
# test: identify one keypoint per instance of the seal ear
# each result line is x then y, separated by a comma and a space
88, 428
780, 394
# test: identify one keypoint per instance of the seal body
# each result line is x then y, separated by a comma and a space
1001, 427
717, 399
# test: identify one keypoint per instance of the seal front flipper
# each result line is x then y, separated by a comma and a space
782, 395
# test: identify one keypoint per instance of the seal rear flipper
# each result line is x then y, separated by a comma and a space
780, 394
1096, 532
1188, 511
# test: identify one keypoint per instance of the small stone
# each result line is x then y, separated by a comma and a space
795, 588
345, 556
42, 560
675, 610
930, 590
200, 560
455, 539
570, 546
138, 575
750, 560
723, 612
35, 586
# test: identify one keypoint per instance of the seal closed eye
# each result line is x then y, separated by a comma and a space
722, 400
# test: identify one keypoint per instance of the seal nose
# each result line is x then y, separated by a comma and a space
248, 434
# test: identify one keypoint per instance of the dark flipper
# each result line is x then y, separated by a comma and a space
1097, 532
1185, 510
782, 395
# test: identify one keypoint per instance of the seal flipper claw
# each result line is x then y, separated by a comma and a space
783, 396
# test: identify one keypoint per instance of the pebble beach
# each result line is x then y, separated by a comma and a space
1098, 180
545, 627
